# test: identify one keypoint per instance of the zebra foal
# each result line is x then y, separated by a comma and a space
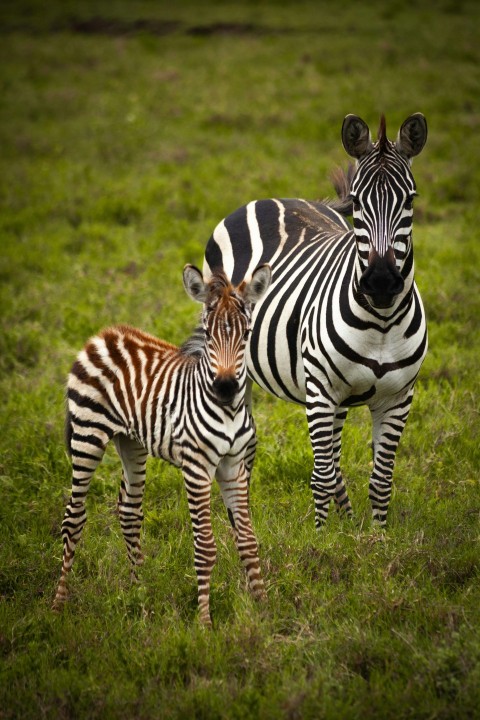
185, 405
342, 323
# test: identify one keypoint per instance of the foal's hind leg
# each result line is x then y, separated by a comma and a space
87, 447
134, 459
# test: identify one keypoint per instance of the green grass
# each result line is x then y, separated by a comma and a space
121, 150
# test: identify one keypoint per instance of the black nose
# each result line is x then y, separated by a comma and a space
225, 388
381, 280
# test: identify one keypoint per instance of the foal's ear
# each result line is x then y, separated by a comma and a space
194, 284
356, 137
412, 136
258, 285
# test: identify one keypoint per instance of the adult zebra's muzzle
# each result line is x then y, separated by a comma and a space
225, 387
381, 281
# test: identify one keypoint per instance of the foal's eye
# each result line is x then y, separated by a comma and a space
207, 333
246, 333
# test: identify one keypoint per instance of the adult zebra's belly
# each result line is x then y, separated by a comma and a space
280, 385
360, 385
370, 371
274, 357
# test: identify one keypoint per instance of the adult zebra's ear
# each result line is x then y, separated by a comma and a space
258, 285
194, 284
356, 137
412, 136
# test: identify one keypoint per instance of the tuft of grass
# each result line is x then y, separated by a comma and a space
128, 132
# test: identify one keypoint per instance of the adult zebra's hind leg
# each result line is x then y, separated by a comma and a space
86, 447
130, 509
388, 425
342, 500
250, 452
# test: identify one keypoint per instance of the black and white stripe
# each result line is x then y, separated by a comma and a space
342, 323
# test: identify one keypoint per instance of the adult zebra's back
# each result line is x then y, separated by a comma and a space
342, 323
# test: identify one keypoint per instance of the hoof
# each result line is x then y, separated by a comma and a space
58, 605
60, 596
260, 595
206, 622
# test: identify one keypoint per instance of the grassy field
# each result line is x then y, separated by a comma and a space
128, 130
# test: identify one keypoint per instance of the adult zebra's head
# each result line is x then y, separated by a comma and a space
382, 191
226, 319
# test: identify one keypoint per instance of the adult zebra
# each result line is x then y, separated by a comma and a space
342, 323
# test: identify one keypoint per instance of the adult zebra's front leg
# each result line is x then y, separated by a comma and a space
388, 424
320, 418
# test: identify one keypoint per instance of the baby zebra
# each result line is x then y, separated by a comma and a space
185, 405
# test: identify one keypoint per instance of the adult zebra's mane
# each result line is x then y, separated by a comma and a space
342, 182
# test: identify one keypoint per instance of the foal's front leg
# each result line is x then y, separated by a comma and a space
234, 486
198, 484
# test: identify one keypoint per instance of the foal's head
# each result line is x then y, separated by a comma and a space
226, 319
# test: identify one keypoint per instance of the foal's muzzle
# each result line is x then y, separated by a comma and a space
225, 388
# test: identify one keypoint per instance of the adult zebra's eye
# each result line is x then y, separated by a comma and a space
356, 206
